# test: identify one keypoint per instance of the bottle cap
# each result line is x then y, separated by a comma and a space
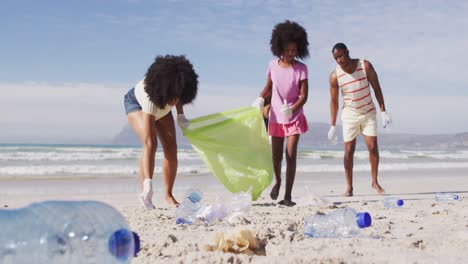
136, 241
194, 196
455, 196
120, 244
400, 202
363, 219
181, 221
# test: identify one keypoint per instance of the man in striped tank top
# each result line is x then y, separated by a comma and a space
354, 77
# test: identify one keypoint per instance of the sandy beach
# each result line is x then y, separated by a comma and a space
423, 231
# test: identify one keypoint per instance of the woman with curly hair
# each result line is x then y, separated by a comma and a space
287, 85
170, 81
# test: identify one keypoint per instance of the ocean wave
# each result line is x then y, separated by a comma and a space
125, 154
403, 166
386, 154
89, 170
103, 170
76, 153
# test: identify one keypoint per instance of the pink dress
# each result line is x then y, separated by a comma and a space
286, 83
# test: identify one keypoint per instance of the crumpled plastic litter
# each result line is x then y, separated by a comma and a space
238, 241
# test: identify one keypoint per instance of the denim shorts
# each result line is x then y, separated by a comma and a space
131, 103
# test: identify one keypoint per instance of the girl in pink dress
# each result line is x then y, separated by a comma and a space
287, 85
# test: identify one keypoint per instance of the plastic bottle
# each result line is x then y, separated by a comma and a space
188, 210
238, 205
211, 213
446, 197
69, 232
339, 223
333, 141
393, 202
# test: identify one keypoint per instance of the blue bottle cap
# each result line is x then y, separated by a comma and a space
363, 219
181, 221
400, 202
455, 196
120, 244
194, 197
136, 241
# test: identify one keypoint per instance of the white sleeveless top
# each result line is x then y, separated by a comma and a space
355, 89
148, 106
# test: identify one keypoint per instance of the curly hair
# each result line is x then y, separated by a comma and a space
171, 77
286, 32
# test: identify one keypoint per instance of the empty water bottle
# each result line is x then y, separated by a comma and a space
69, 232
446, 197
393, 202
212, 213
239, 204
339, 223
187, 211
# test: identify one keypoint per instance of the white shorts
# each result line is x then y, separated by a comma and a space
355, 124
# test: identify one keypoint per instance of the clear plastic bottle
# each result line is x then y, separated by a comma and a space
393, 202
238, 205
446, 196
69, 232
339, 223
188, 210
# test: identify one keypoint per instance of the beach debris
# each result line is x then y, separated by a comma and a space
339, 223
445, 197
232, 208
419, 244
238, 241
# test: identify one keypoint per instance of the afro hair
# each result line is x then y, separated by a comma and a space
171, 77
286, 32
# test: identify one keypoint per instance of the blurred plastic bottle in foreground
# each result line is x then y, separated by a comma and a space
188, 210
339, 223
393, 202
72, 232
446, 197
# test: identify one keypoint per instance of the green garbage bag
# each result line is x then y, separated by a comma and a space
234, 146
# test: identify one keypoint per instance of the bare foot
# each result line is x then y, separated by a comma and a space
348, 193
275, 191
172, 201
378, 188
287, 202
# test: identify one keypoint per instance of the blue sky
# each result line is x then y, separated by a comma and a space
66, 64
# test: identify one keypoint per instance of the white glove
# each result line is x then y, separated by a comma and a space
182, 121
386, 120
285, 110
258, 103
332, 137
331, 133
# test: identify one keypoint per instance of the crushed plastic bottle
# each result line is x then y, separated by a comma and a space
339, 223
446, 196
231, 207
238, 205
393, 202
69, 232
212, 213
188, 210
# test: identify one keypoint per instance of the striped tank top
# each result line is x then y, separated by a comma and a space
355, 89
